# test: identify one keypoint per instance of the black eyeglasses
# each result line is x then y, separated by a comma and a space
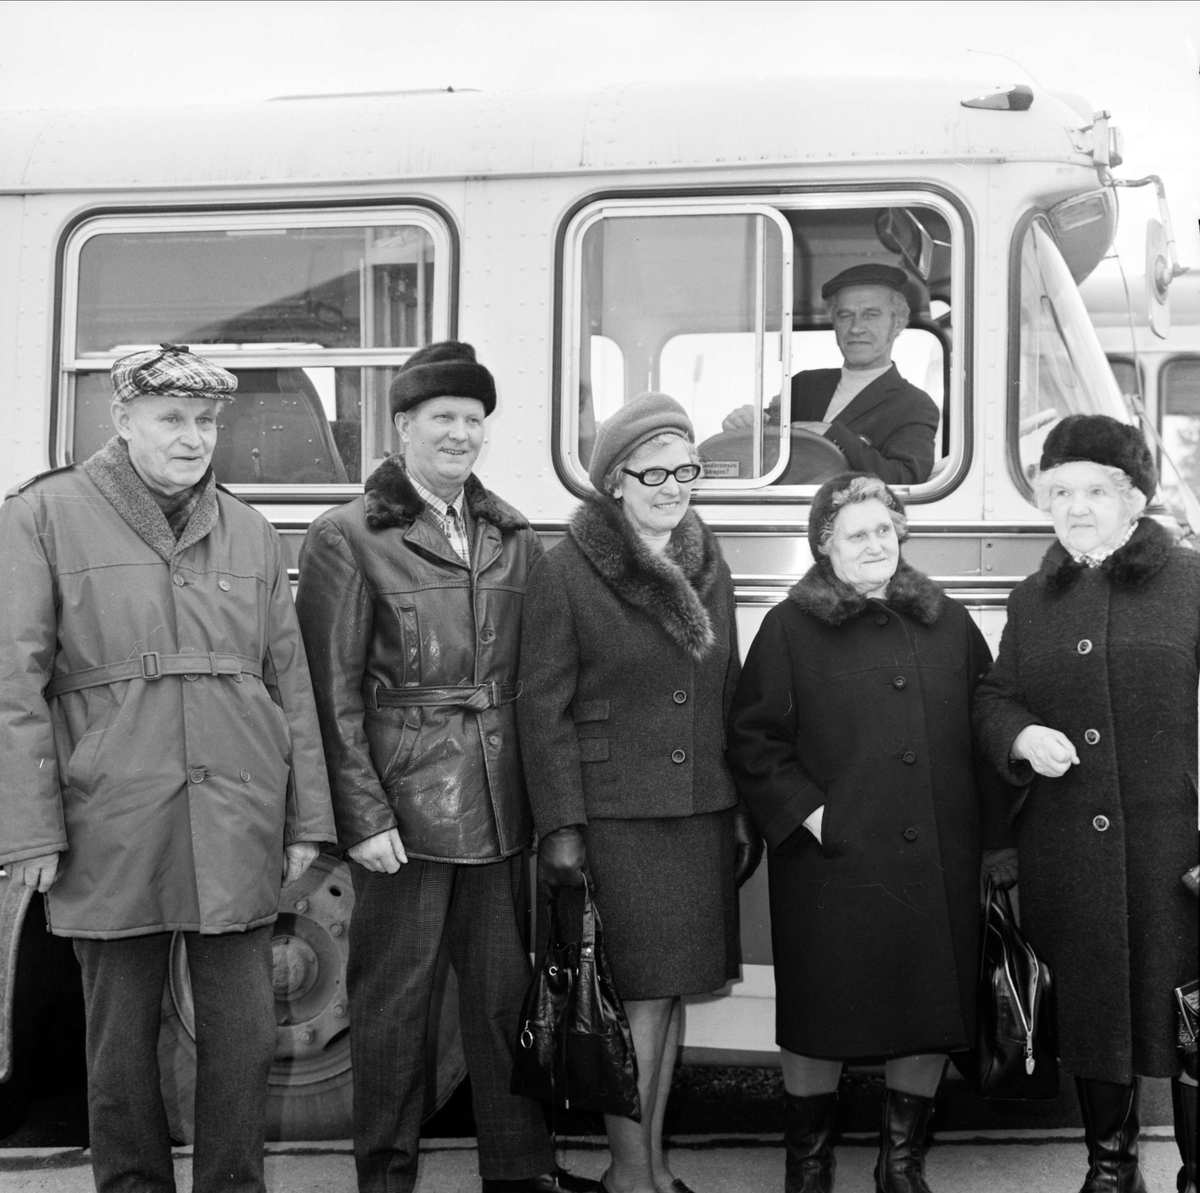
684, 474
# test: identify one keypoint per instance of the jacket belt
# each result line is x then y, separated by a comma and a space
152, 665
476, 697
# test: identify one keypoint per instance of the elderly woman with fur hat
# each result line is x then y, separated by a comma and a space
1090, 714
851, 743
628, 663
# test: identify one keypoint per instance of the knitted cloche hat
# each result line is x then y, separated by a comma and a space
445, 369
631, 426
1101, 440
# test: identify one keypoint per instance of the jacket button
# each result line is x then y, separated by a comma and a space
178, 580
1085, 646
223, 585
909, 757
487, 634
244, 775
1091, 736
1100, 824
493, 739
910, 834
678, 756
192, 675
679, 697
881, 619
899, 682
196, 774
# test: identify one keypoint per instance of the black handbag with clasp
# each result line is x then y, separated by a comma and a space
574, 1047
1016, 1047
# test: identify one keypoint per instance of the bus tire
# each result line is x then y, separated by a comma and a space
310, 1092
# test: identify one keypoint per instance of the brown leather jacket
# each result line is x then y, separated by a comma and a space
385, 603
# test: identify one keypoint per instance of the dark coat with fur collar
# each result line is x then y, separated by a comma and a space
628, 661
862, 706
1109, 657
384, 599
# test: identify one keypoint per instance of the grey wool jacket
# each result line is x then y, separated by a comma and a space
629, 661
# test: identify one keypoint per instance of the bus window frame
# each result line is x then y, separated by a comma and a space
959, 381
1167, 361
435, 219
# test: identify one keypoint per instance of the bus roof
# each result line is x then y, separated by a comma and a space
642, 127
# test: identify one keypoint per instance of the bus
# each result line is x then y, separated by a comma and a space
591, 246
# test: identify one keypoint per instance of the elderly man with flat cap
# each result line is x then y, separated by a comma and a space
882, 424
410, 601
162, 760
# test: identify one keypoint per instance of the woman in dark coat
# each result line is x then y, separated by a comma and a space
1090, 712
628, 663
850, 740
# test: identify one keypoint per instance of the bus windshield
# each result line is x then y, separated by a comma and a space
1062, 368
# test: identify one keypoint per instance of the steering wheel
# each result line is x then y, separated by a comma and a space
812, 459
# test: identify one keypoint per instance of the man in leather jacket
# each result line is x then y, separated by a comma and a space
410, 604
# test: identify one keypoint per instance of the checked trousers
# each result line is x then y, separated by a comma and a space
397, 929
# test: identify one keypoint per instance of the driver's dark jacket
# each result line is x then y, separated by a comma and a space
889, 428
384, 599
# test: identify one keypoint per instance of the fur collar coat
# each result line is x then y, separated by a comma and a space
833, 601
628, 663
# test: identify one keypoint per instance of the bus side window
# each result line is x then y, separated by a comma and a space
1179, 403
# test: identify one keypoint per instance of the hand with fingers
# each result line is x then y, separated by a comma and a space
383, 853
1048, 751
562, 858
37, 872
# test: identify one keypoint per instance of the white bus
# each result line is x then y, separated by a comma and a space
591, 246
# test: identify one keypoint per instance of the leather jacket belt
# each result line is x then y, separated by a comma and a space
152, 665
476, 697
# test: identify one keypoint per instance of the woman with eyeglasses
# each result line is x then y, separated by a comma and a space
629, 662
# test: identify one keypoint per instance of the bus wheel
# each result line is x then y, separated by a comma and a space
310, 1091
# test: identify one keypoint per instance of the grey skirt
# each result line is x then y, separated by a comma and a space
664, 889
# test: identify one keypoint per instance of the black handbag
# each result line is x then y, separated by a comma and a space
1016, 1048
574, 1047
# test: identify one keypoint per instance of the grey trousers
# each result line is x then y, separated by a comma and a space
397, 929
235, 1041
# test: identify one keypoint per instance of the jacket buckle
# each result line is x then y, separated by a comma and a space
151, 665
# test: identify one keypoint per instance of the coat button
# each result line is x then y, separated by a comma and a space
679, 697
192, 675
178, 580
881, 619
899, 682
223, 585
494, 739
196, 774
678, 756
910, 834
487, 634
1100, 824
1091, 736
909, 757
244, 775
1085, 646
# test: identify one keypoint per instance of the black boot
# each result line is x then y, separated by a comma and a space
1183, 1102
1110, 1126
901, 1165
807, 1124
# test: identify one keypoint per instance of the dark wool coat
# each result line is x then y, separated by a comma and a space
890, 428
1109, 657
863, 706
628, 661
384, 599
170, 800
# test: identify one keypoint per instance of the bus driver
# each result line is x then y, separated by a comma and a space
882, 424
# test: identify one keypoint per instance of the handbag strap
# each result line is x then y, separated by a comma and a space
590, 924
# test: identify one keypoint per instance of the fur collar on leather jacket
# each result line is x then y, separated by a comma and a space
391, 500
833, 601
1137, 561
670, 588
113, 474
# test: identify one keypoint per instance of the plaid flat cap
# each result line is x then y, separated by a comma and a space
170, 371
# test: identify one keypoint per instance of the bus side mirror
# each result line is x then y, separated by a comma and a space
1158, 280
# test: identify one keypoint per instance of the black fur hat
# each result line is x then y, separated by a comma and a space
829, 501
445, 369
1102, 440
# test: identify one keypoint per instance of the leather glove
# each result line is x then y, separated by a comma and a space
748, 845
562, 858
1001, 866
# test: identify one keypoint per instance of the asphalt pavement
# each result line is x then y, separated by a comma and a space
959, 1162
